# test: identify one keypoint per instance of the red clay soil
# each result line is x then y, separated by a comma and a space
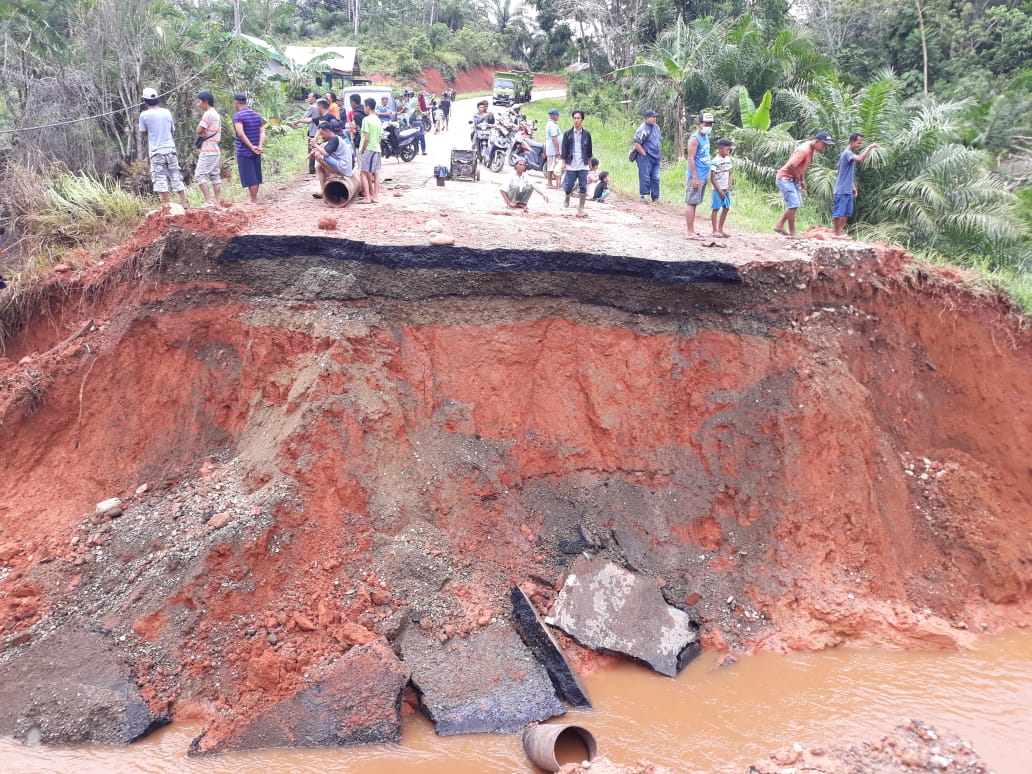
842, 457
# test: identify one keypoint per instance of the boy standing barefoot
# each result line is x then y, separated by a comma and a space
720, 177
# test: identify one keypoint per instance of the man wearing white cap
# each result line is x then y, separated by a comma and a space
157, 127
698, 152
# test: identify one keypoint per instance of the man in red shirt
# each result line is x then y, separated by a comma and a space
791, 179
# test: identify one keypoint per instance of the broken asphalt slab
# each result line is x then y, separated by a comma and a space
74, 687
488, 683
606, 607
545, 649
357, 700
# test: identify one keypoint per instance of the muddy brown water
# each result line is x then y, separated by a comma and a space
710, 719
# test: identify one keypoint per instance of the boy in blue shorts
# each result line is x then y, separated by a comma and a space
720, 177
845, 189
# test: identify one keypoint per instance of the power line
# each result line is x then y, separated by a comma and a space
174, 89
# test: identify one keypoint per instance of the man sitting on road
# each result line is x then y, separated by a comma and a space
334, 157
518, 189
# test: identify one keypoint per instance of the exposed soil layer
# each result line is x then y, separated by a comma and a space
339, 440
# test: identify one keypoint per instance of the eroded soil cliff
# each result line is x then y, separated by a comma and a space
320, 443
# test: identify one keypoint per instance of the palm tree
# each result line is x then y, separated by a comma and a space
923, 187
673, 73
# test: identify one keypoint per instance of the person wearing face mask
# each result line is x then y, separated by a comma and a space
698, 152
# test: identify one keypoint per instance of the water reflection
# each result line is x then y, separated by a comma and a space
710, 719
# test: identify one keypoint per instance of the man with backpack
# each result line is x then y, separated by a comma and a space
646, 145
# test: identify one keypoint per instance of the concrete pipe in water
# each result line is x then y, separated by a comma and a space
550, 746
339, 191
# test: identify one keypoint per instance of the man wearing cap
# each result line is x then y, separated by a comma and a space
334, 156
698, 152
312, 118
250, 142
209, 162
791, 179
646, 143
552, 159
156, 125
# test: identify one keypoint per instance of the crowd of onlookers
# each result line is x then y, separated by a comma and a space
344, 139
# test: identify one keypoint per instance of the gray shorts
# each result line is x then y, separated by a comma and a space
165, 174
370, 161
694, 195
209, 168
517, 196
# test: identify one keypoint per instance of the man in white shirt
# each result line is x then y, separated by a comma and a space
552, 157
157, 127
517, 191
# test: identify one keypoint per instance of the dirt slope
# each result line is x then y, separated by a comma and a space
340, 438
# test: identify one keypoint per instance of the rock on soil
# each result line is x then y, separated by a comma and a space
911, 747
72, 688
488, 683
356, 701
606, 607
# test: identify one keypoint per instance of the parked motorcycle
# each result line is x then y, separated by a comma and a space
498, 145
529, 150
398, 141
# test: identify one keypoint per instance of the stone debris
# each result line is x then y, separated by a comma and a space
606, 607
111, 507
357, 700
911, 747
488, 683
441, 240
567, 685
434, 226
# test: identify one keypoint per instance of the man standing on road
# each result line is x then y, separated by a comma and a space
209, 163
156, 125
698, 152
552, 157
646, 142
445, 105
311, 117
576, 152
250, 142
845, 188
372, 131
791, 179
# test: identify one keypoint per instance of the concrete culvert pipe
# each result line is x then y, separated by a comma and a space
339, 191
552, 745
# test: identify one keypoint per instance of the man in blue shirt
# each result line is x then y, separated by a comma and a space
552, 158
845, 188
646, 142
698, 152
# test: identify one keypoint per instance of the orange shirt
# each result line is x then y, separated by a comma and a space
335, 109
797, 163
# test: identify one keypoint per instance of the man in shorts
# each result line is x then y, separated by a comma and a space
697, 174
845, 187
553, 160
250, 142
791, 179
372, 132
209, 162
334, 157
157, 127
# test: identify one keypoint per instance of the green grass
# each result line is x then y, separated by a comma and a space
752, 209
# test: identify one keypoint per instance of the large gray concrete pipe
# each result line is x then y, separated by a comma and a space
339, 191
552, 744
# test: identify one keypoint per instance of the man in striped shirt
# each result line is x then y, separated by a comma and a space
250, 142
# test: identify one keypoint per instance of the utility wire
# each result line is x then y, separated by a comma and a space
174, 89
